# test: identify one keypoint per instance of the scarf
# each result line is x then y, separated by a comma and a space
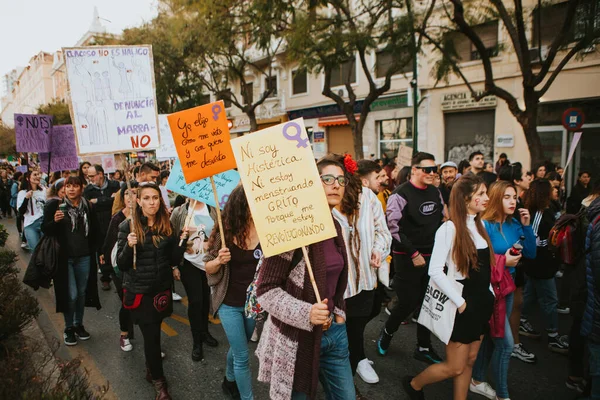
104, 185
77, 213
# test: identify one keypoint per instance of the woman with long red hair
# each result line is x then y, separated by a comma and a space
463, 244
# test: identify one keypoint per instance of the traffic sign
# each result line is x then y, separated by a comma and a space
573, 119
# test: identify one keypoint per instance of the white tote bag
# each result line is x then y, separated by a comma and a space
438, 312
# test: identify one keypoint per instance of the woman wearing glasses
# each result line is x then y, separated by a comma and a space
304, 341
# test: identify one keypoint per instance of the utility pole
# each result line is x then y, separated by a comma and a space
414, 84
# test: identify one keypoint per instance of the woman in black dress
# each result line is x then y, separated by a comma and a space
147, 282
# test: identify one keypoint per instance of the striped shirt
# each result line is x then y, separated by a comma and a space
374, 237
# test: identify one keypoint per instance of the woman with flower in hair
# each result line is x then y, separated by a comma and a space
368, 241
304, 340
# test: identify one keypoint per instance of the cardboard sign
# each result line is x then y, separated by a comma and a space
202, 140
113, 98
109, 164
166, 150
405, 154
63, 151
33, 132
202, 190
283, 187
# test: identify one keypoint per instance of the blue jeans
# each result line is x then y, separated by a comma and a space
78, 275
239, 330
33, 233
595, 368
335, 373
498, 351
545, 291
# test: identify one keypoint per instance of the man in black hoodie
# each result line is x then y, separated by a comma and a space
101, 192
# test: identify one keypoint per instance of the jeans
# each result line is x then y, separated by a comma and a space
33, 233
78, 275
498, 351
238, 330
198, 293
545, 291
410, 284
334, 366
595, 368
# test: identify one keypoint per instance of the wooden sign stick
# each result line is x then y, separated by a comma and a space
188, 219
131, 210
218, 207
310, 273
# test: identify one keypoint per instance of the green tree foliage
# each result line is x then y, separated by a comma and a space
578, 32
59, 110
8, 144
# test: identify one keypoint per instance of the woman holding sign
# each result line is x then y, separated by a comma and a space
305, 341
147, 281
462, 244
230, 269
30, 203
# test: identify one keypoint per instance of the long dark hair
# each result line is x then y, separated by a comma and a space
537, 198
26, 185
236, 218
81, 175
350, 204
162, 224
464, 252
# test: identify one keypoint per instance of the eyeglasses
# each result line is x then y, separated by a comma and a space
330, 180
428, 170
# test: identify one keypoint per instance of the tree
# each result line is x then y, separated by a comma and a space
8, 141
177, 86
330, 38
579, 30
231, 42
59, 109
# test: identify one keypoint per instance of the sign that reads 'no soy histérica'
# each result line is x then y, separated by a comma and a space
283, 187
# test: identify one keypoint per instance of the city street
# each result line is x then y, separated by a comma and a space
124, 372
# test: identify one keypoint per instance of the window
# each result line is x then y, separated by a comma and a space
549, 21
271, 83
392, 134
299, 81
488, 33
225, 95
248, 92
384, 60
343, 73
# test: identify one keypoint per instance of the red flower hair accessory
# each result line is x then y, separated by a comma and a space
350, 165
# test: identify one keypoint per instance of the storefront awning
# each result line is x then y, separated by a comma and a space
334, 121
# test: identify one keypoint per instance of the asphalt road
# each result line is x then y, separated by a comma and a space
124, 372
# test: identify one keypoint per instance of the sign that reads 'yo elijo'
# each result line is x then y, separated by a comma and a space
202, 140
283, 187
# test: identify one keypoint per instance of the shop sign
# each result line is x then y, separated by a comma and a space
466, 101
319, 137
505, 140
390, 103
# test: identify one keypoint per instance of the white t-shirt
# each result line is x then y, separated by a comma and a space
200, 228
35, 208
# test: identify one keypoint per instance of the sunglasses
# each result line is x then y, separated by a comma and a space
330, 180
428, 170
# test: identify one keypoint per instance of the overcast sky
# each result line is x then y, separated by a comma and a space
30, 26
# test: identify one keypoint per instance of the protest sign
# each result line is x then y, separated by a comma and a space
113, 100
202, 140
283, 187
166, 150
405, 154
63, 152
33, 132
22, 168
202, 190
109, 164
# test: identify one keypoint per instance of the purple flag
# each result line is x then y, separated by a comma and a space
33, 132
63, 148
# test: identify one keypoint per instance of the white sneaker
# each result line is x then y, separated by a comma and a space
176, 297
125, 344
366, 372
162, 355
483, 389
254, 337
24, 245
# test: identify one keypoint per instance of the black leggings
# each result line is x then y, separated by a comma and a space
151, 333
196, 287
125, 321
356, 324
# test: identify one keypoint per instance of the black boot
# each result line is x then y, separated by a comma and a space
197, 352
208, 339
230, 389
160, 385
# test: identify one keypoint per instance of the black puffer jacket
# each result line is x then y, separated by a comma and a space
153, 271
103, 206
545, 264
590, 327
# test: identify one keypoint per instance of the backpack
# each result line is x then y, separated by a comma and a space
567, 238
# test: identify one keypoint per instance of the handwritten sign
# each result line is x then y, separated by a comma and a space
33, 132
283, 187
166, 150
405, 154
113, 98
63, 151
202, 140
22, 168
202, 190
